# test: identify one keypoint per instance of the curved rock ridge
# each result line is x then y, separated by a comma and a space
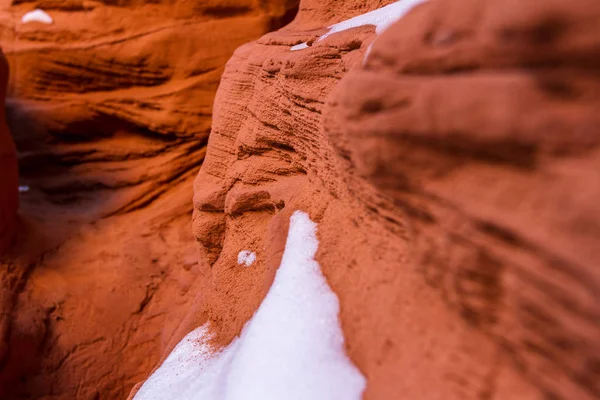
454, 179
291, 348
110, 94
480, 122
110, 107
450, 162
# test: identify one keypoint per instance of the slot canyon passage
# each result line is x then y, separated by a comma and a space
446, 153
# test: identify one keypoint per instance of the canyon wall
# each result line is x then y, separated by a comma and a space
453, 172
110, 108
450, 162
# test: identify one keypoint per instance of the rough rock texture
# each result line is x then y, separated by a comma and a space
481, 123
9, 200
455, 182
110, 107
454, 178
112, 92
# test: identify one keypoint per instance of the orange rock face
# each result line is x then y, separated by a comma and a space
480, 123
454, 178
110, 108
453, 173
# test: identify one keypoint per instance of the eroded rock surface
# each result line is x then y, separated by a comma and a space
454, 178
479, 121
110, 106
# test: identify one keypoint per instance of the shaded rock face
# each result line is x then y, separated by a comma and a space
480, 122
454, 178
9, 200
110, 83
110, 108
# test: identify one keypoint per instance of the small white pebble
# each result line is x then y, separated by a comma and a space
37, 15
246, 257
23, 189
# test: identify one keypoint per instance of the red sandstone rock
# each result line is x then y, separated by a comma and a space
9, 200
110, 107
455, 184
479, 120
454, 179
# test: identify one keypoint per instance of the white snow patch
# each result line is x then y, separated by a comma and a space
299, 46
23, 189
292, 348
367, 52
382, 18
246, 257
37, 15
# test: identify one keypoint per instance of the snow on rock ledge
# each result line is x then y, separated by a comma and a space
292, 348
382, 18
37, 15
